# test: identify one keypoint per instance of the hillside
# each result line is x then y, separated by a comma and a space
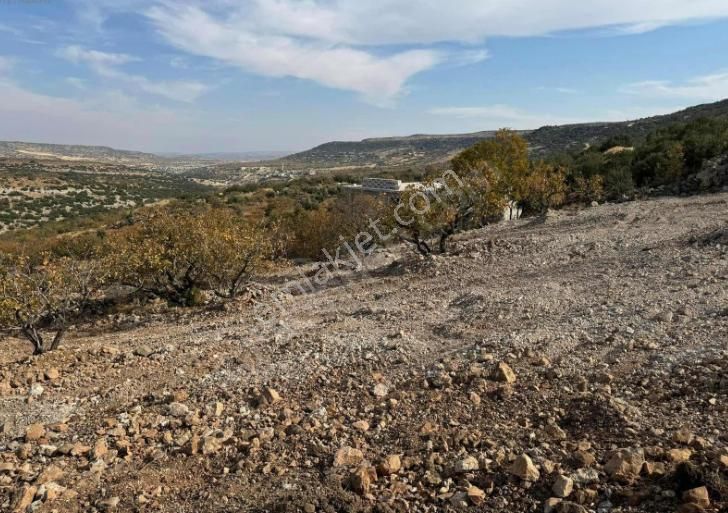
103, 155
73, 152
387, 151
555, 139
578, 359
428, 149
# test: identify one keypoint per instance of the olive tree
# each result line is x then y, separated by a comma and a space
428, 216
39, 297
175, 254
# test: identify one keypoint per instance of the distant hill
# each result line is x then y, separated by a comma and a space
387, 151
428, 149
235, 156
554, 139
25, 150
105, 155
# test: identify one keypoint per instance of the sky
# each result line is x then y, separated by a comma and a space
197, 76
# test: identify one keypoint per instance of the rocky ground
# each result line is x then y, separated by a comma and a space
569, 364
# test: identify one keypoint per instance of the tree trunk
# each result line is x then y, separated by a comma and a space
58, 339
35, 338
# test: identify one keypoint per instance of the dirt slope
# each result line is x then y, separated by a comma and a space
391, 390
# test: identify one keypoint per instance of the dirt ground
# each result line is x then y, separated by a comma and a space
569, 364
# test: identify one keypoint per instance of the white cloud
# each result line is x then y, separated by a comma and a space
704, 88
77, 54
356, 45
377, 79
498, 116
379, 22
106, 65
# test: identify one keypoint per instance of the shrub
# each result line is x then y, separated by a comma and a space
427, 217
544, 187
43, 295
173, 254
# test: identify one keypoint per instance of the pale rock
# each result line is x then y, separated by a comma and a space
625, 464
475, 495
361, 480
683, 436
467, 464
361, 425
391, 465
524, 468
563, 486
348, 457
23, 498
34, 432
51, 473
143, 351
551, 504
679, 455
380, 390
697, 496
52, 374
271, 395
178, 410
504, 373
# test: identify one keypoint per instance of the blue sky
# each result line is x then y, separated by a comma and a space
226, 75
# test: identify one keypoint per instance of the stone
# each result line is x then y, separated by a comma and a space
625, 464
271, 395
380, 390
391, 465
24, 498
36, 390
563, 486
348, 457
475, 495
467, 464
583, 459
51, 491
34, 432
178, 410
361, 480
79, 449
551, 504
697, 496
524, 468
683, 436
144, 351
108, 504
361, 425
555, 431
585, 476
215, 409
52, 473
504, 373
52, 374
723, 460
679, 455
100, 449
211, 445
192, 446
